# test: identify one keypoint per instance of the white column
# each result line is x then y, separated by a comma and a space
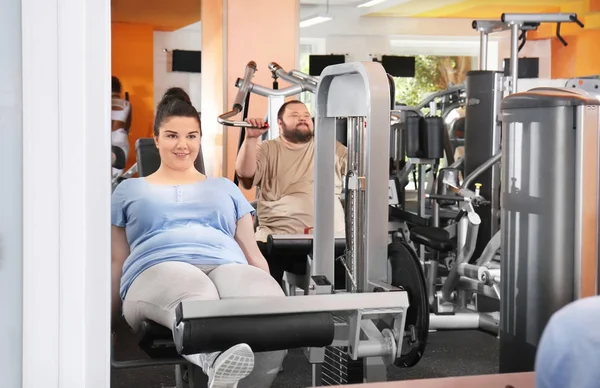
66, 193
11, 170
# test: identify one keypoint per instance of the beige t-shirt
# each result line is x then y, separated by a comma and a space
286, 181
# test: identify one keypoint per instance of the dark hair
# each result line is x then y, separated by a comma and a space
282, 109
116, 85
179, 93
174, 103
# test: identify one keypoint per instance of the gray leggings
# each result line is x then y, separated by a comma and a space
156, 292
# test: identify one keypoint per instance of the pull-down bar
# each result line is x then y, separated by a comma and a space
518, 23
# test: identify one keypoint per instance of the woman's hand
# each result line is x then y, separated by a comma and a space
244, 235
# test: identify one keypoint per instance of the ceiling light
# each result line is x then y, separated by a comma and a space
315, 20
371, 3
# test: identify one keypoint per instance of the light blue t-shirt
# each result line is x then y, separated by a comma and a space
568, 355
194, 223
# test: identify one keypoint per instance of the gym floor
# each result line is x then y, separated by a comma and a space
448, 353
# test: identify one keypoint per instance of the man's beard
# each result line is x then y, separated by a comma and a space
300, 134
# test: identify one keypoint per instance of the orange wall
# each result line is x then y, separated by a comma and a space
579, 58
273, 38
132, 63
212, 87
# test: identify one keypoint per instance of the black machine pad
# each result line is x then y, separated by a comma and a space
157, 341
293, 251
432, 237
261, 333
408, 274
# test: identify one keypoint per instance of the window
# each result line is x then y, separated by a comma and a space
308, 47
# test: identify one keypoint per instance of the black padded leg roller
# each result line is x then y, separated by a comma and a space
261, 333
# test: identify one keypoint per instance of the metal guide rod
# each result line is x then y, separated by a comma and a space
483, 50
514, 56
351, 206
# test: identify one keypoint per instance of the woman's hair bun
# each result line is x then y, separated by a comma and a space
176, 93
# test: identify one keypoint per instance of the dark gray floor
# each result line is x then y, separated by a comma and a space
451, 353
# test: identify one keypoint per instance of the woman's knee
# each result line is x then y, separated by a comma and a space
242, 280
156, 292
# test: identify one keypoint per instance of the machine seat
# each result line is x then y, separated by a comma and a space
435, 238
157, 341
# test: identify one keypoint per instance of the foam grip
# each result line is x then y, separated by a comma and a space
291, 252
412, 137
120, 158
433, 137
261, 333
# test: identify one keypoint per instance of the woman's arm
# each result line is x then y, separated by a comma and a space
244, 235
120, 252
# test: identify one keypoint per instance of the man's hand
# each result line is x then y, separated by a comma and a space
258, 128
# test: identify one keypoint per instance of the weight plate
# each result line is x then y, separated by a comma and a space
408, 274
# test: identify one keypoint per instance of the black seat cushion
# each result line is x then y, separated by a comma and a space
434, 238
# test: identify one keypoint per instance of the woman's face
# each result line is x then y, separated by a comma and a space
178, 142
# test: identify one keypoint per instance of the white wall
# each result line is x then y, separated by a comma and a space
362, 37
347, 21
187, 38
11, 196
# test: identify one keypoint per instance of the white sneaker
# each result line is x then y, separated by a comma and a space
226, 369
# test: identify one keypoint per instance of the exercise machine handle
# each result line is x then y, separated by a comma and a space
244, 85
304, 76
573, 17
306, 85
440, 197
281, 73
452, 89
223, 120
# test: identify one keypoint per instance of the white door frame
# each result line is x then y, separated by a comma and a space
66, 193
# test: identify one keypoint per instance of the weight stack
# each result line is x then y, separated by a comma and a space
482, 141
339, 369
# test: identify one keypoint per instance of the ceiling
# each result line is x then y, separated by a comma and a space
166, 16
163, 15
477, 9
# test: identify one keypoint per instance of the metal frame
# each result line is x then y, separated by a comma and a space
516, 22
256, 306
276, 97
359, 91
354, 90
587, 194
357, 311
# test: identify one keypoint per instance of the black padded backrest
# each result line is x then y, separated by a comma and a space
148, 158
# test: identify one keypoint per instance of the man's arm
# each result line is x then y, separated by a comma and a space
246, 162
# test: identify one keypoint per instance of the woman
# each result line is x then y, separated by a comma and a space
568, 354
178, 235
